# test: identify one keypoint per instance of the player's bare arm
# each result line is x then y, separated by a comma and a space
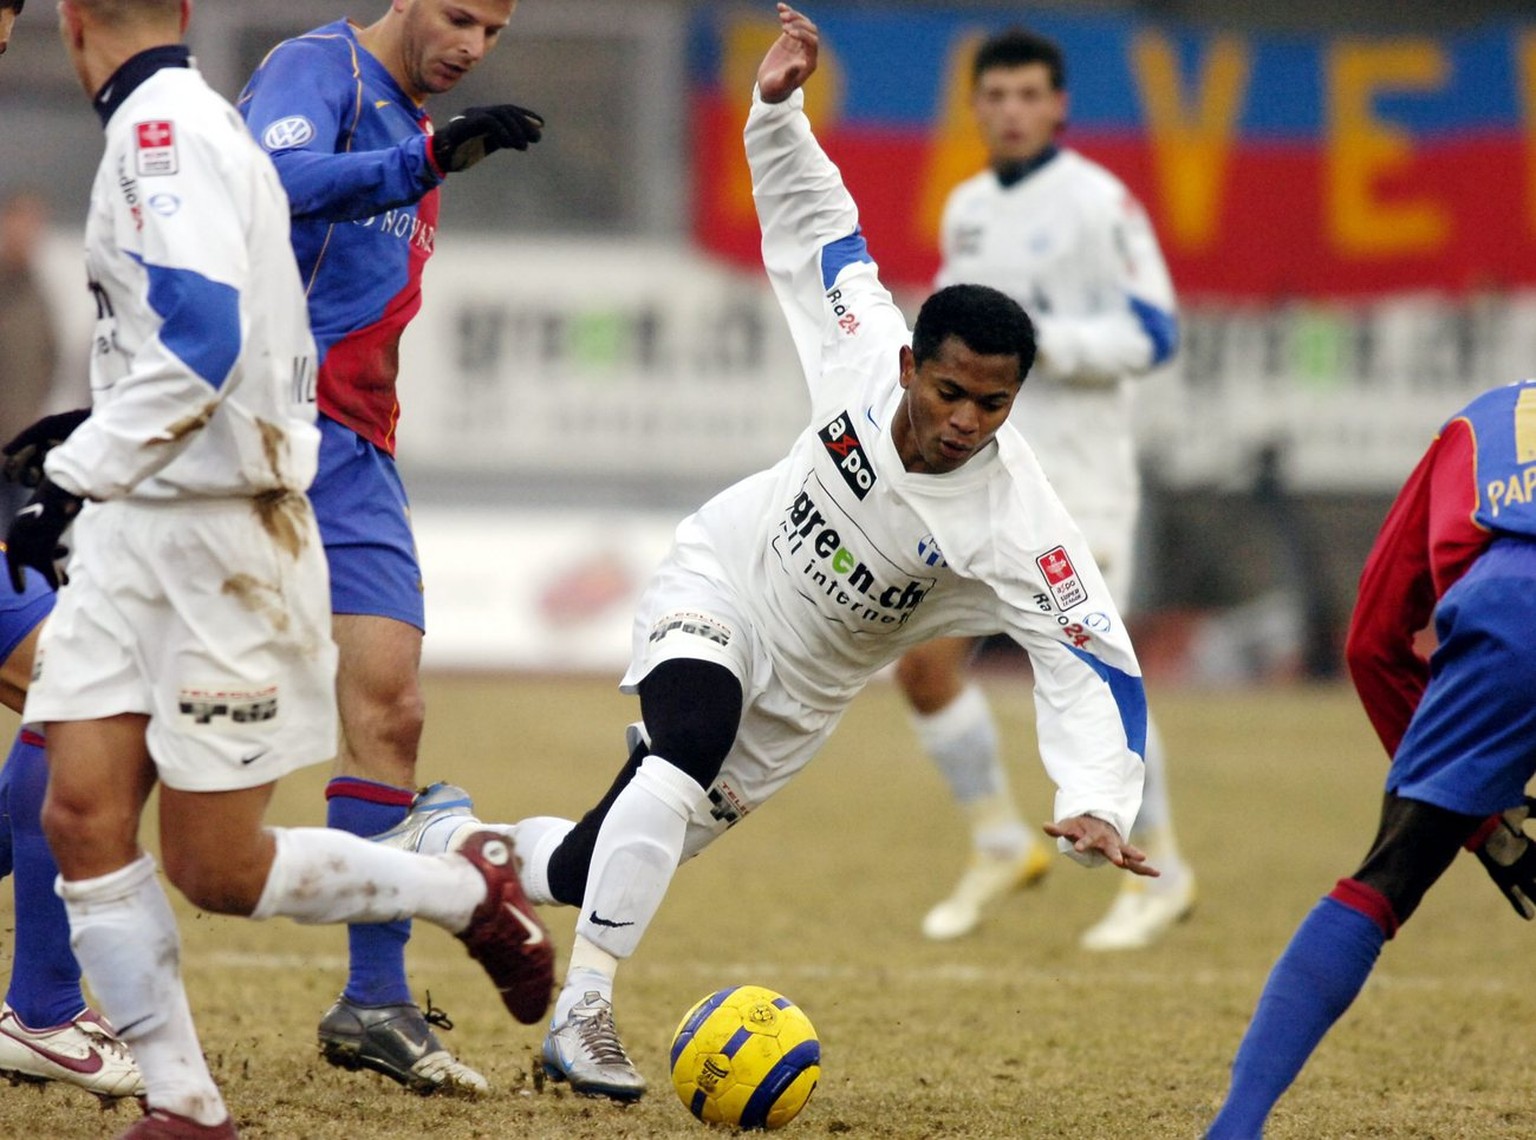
791, 60
1090, 834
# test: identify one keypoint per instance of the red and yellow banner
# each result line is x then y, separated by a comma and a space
1272, 166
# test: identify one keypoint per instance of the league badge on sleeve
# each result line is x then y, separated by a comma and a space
1061, 576
155, 148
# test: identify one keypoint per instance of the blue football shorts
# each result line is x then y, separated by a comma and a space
365, 524
1471, 745
21, 613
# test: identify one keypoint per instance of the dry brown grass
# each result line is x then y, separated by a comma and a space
1013, 1032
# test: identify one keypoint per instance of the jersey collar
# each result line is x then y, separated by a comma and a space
134, 71
1010, 174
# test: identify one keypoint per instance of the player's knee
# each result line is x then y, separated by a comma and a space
928, 679
210, 884
692, 711
1415, 844
84, 835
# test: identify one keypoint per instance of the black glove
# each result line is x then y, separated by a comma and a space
471, 135
1509, 857
24, 455
35, 532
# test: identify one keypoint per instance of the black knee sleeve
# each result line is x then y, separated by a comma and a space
692, 709
1414, 845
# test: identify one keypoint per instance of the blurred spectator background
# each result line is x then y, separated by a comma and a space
1346, 194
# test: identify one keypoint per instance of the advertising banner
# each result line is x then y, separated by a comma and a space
1273, 166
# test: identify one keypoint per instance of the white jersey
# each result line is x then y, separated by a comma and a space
1071, 244
842, 560
202, 366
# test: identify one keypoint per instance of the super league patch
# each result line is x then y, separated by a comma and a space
1061, 576
155, 149
847, 453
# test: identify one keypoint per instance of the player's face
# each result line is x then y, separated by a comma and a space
1018, 111
7, 21
953, 405
444, 40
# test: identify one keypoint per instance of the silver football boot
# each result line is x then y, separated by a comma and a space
441, 816
587, 1052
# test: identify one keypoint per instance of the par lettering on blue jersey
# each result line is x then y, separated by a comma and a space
288, 134
928, 550
164, 204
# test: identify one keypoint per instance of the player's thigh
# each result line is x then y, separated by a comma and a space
1471, 745
235, 650
365, 524
99, 776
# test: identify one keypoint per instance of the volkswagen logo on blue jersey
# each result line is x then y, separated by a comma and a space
288, 134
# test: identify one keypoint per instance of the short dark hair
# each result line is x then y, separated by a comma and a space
13, 5
989, 322
1017, 47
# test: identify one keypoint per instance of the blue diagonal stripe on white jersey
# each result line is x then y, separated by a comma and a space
838, 255
1130, 698
1160, 325
200, 319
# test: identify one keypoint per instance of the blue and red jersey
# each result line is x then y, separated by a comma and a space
1476, 483
354, 154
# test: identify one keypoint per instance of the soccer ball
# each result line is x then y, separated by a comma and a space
747, 1057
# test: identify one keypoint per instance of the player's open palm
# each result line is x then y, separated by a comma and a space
792, 58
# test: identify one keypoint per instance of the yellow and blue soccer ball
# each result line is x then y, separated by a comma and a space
747, 1057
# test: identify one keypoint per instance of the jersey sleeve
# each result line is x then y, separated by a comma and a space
1050, 598
1427, 542
192, 267
827, 283
303, 110
1139, 329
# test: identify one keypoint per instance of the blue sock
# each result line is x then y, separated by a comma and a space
1329, 958
377, 974
45, 978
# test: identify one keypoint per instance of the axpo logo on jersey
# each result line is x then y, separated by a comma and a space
843, 445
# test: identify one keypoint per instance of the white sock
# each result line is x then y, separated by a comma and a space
592, 970
123, 932
961, 740
638, 848
1154, 823
535, 839
322, 875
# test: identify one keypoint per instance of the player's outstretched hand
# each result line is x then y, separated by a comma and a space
33, 539
24, 455
1093, 839
474, 133
1509, 857
792, 58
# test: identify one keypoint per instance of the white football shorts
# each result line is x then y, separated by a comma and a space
686, 614
212, 618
